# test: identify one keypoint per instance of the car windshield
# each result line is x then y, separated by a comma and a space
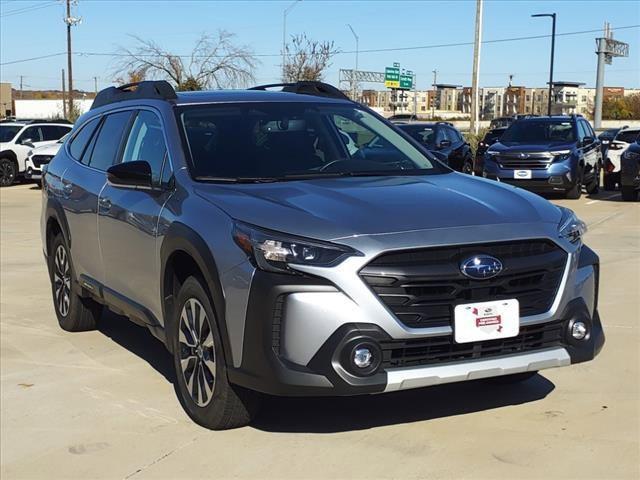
7, 132
424, 135
539, 132
289, 141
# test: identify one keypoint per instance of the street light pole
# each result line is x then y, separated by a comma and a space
354, 85
553, 44
284, 34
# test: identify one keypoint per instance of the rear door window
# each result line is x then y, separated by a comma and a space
81, 139
627, 136
107, 144
50, 133
33, 134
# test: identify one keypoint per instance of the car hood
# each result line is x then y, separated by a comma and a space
336, 208
508, 147
47, 149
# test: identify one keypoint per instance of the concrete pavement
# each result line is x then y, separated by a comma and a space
101, 404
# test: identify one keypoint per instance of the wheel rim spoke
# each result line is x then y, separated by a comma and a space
62, 281
197, 352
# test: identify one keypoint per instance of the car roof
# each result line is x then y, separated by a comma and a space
239, 96
420, 124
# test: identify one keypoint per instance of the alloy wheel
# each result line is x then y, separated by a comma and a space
197, 352
62, 281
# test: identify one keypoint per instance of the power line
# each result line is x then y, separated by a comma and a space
28, 9
343, 52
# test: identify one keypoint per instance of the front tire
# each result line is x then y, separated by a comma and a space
75, 313
467, 167
575, 192
609, 181
201, 372
8, 172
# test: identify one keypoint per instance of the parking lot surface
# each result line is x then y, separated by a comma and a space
101, 404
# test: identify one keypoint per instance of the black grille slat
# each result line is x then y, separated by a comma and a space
39, 160
426, 351
422, 287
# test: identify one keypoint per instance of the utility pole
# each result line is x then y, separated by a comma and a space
354, 83
284, 35
476, 69
21, 77
70, 21
553, 45
433, 99
64, 97
95, 85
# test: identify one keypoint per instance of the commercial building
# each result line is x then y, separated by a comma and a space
6, 100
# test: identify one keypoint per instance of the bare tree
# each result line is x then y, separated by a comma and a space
307, 59
214, 62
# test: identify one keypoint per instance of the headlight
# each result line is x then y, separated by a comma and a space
571, 227
629, 155
561, 154
274, 251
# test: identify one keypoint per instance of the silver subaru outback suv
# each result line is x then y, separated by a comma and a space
293, 242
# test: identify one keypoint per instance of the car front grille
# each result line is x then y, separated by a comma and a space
39, 160
432, 350
422, 287
532, 161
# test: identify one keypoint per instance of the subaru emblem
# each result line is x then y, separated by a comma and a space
524, 155
480, 267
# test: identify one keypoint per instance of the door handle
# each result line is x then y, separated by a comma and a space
105, 204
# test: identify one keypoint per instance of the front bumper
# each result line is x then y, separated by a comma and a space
298, 329
32, 173
557, 177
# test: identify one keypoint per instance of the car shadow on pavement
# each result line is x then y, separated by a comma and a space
340, 414
139, 341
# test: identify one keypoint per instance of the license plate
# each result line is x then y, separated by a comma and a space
522, 174
475, 322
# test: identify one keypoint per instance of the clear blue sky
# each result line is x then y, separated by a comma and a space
380, 24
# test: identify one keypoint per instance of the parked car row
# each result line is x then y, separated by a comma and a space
19, 140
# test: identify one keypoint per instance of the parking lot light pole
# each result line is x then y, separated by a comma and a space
354, 85
553, 43
284, 34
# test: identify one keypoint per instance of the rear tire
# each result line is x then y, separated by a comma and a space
629, 193
201, 372
511, 379
8, 172
467, 167
75, 313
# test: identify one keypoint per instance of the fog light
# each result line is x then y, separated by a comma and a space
579, 330
362, 357
555, 180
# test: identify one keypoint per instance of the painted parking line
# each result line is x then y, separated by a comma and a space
613, 195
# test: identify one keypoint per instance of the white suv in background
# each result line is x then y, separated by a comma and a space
625, 137
39, 157
18, 138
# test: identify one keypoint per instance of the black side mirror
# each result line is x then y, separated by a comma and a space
130, 174
444, 143
588, 141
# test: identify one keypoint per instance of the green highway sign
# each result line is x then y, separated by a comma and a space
406, 82
392, 77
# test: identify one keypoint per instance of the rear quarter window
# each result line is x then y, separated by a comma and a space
81, 139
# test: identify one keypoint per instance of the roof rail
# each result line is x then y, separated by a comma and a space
444, 123
318, 89
149, 89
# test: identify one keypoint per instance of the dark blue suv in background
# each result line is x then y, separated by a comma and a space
547, 154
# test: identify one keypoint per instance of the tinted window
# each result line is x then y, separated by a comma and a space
627, 136
582, 131
452, 135
280, 140
81, 139
7, 132
539, 132
146, 142
51, 132
109, 139
424, 135
589, 130
32, 133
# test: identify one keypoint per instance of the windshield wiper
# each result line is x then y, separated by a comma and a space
205, 178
